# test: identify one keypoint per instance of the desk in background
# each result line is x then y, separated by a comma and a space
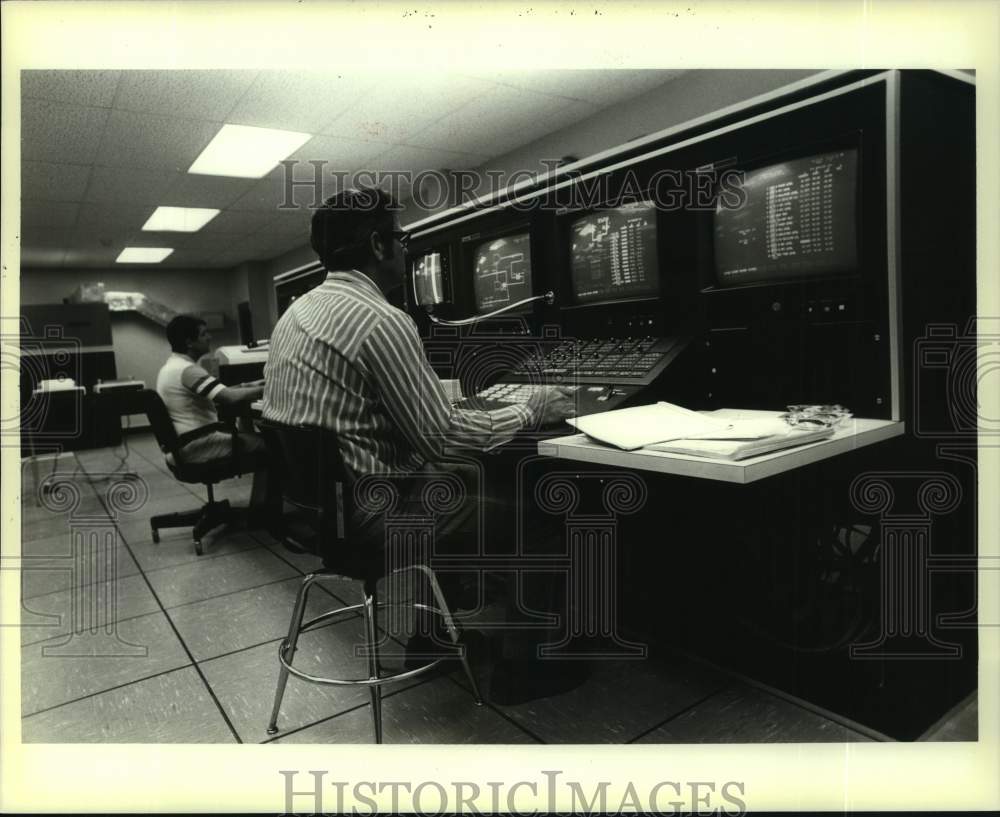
240, 365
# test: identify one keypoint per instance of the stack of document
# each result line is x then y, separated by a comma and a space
723, 434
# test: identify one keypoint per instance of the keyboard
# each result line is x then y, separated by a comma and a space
603, 360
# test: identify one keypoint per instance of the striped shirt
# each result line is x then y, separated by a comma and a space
188, 392
343, 358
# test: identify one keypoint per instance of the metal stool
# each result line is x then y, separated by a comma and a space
314, 480
369, 609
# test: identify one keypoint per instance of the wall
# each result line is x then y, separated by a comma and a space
140, 345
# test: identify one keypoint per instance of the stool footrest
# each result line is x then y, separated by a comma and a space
363, 682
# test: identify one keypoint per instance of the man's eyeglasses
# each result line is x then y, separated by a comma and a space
402, 236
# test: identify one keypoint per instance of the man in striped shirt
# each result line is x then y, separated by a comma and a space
343, 358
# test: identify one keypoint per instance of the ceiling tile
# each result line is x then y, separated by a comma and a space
289, 224
48, 213
207, 95
131, 185
195, 190
186, 258
495, 123
126, 217
55, 132
95, 88
338, 154
56, 182
393, 110
237, 222
145, 140
46, 237
38, 257
597, 86
95, 239
274, 190
205, 243
297, 100
414, 160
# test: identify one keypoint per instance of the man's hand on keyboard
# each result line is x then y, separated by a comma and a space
553, 404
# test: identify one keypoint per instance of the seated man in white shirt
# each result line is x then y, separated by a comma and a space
191, 395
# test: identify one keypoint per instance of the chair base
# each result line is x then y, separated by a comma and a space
375, 680
203, 520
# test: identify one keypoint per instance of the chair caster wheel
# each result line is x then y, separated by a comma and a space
156, 537
272, 730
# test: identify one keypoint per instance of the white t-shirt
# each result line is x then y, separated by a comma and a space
187, 391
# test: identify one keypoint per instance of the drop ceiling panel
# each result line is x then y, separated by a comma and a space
395, 109
189, 241
193, 190
292, 223
273, 190
491, 125
236, 222
46, 237
52, 181
96, 88
149, 141
296, 101
48, 213
339, 154
55, 132
111, 216
132, 185
207, 95
184, 258
414, 160
596, 87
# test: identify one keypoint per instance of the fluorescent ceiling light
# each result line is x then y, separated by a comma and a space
239, 150
180, 219
143, 255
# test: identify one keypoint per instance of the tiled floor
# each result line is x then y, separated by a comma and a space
129, 641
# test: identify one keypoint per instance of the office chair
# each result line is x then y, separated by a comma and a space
315, 481
211, 514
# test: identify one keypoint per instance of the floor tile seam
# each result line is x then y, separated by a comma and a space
497, 710
107, 689
684, 709
201, 675
275, 640
354, 614
198, 560
800, 703
184, 646
355, 708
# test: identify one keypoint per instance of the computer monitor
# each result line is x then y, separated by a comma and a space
429, 272
501, 271
797, 219
245, 320
613, 254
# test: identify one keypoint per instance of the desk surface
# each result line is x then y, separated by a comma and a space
856, 433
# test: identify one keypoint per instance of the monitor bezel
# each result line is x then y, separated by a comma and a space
849, 140
568, 217
468, 245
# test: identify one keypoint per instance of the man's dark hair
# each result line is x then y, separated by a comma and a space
182, 330
342, 227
